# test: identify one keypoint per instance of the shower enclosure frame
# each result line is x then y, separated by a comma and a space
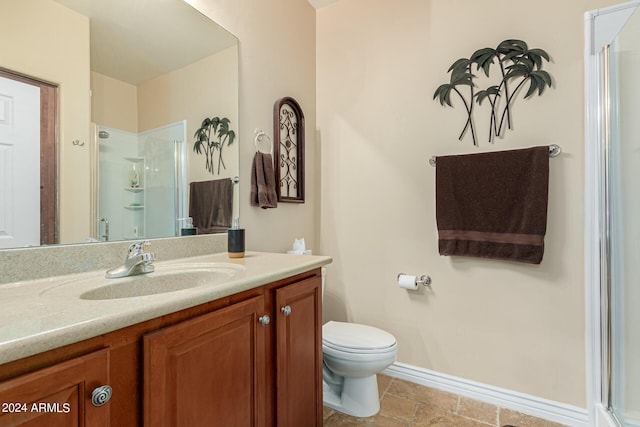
601, 28
179, 149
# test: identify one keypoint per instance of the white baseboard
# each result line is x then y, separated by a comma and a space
531, 405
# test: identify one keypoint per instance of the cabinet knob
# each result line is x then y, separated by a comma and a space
101, 395
264, 320
286, 310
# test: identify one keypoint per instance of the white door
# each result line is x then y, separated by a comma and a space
19, 164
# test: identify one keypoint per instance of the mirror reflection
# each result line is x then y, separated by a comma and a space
131, 84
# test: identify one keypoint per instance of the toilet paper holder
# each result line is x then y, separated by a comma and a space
423, 279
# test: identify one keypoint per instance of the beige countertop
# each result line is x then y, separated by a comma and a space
44, 314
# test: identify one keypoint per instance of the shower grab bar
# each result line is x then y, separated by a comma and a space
106, 229
554, 151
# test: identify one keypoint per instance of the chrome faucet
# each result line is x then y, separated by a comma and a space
137, 261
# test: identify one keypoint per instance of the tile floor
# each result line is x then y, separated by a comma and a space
405, 404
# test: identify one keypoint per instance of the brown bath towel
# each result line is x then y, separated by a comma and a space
493, 205
211, 205
263, 182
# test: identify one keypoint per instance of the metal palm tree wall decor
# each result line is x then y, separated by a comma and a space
518, 65
288, 124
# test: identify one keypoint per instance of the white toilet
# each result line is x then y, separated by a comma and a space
353, 354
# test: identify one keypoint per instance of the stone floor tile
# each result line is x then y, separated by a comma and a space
338, 419
383, 384
422, 394
480, 411
327, 412
405, 404
517, 419
398, 407
384, 421
431, 416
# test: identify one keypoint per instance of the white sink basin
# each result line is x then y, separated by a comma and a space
165, 278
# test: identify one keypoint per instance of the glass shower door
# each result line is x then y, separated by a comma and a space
141, 182
114, 221
624, 224
164, 150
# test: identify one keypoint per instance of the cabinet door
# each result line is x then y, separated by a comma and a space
57, 396
299, 354
207, 371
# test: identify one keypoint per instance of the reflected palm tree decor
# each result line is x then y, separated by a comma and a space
518, 65
205, 142
288, 122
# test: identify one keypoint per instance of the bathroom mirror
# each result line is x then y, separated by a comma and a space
129, 76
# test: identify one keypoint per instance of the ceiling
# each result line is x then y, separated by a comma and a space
137, 40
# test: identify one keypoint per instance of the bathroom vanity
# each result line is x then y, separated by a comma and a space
241, 349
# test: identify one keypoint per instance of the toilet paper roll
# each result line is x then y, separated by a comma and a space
406, 281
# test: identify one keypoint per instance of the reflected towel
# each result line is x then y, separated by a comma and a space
263, 182
493, 205
211, 205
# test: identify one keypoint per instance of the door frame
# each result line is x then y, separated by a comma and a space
49, 197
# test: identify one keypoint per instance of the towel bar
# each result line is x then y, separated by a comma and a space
554, 151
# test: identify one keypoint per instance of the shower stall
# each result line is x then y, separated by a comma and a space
613, 213
141, 182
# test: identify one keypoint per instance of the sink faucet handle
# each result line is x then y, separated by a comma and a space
137, 248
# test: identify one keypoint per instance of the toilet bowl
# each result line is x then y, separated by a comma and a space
352, 356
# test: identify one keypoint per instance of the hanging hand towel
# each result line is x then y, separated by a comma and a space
493, 205
263, 182
211, 205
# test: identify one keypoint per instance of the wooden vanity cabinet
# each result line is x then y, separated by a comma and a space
250, 359
207, 371
59, 395
254, 363
298, 354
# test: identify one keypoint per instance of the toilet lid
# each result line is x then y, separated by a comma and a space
354, 336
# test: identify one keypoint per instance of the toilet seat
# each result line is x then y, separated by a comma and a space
356, 338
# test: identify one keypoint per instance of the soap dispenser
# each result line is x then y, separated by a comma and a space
235, 240
188, 229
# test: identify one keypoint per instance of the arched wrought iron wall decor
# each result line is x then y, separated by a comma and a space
288, 130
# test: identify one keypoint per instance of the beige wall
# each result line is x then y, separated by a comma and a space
49, 42
516, 326
276, 59
207, 88
114, 103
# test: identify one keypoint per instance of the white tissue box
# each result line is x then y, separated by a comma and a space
305, 252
